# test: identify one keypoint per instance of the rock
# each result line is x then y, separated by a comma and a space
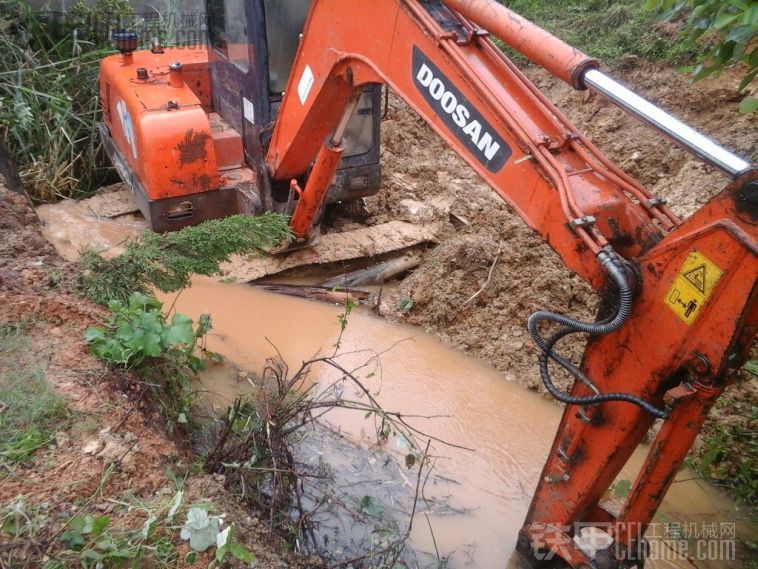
62, 439
416, 211
92, 446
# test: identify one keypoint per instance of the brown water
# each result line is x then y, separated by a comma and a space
73, 227
476, 499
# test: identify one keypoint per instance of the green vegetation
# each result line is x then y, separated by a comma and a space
702, 36
166, 261
30, 410
91, 541
730, 459
405, 304
728, 29
607, 29
139, 336
49, 104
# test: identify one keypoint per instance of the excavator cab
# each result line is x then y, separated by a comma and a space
188, 128
252, 46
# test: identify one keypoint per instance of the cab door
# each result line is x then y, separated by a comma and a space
231, 54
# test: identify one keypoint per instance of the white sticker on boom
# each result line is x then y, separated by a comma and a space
248, 109
305, 84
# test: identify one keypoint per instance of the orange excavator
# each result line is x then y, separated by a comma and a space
280, 113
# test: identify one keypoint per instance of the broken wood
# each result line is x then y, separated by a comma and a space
312, 292
356, 244
376, 274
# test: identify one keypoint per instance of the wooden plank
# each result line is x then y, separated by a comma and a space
311, 292
113, 201
364, 242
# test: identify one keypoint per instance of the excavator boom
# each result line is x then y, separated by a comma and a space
679, 309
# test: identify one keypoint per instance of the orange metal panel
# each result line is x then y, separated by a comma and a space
161, 131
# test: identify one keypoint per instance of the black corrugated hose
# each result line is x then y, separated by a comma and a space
614, 267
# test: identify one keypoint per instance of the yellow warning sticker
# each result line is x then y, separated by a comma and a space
692, 286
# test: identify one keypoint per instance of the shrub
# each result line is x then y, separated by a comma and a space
729, 27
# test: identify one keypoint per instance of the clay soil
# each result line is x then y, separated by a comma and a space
111, 457
485, 248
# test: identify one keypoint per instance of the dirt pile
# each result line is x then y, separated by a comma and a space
111, 457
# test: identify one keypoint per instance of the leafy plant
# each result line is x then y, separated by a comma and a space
371, 507
606, 29
166, 261
165, 353
204, 531
92, 542
728, 27
200, 529
405, 304
621, 488
138, 330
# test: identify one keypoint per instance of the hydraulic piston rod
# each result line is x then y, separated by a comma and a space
672, 128
580, 71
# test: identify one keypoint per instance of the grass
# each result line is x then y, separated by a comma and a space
49, 104
729, 459
31, 410
608, 29
32, 533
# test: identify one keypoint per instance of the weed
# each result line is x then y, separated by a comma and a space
729, 29
719, 463
166, 261
204, 531
138, 330
49, 104
342, 318
30, 410
91, 541
405, 304
164, 353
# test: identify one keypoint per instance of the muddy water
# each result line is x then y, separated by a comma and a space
476, 499
73, 227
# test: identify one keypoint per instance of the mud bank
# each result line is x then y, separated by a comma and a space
110, 457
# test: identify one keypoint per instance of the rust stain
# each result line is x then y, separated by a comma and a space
192, 146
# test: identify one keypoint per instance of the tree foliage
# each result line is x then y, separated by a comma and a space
166, 261
731, 29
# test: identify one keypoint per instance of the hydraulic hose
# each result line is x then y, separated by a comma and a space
615, 270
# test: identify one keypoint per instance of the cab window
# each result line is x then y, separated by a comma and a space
285, 20
227, 31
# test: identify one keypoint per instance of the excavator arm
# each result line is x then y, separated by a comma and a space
679, 310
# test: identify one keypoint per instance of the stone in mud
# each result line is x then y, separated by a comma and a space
415, 211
